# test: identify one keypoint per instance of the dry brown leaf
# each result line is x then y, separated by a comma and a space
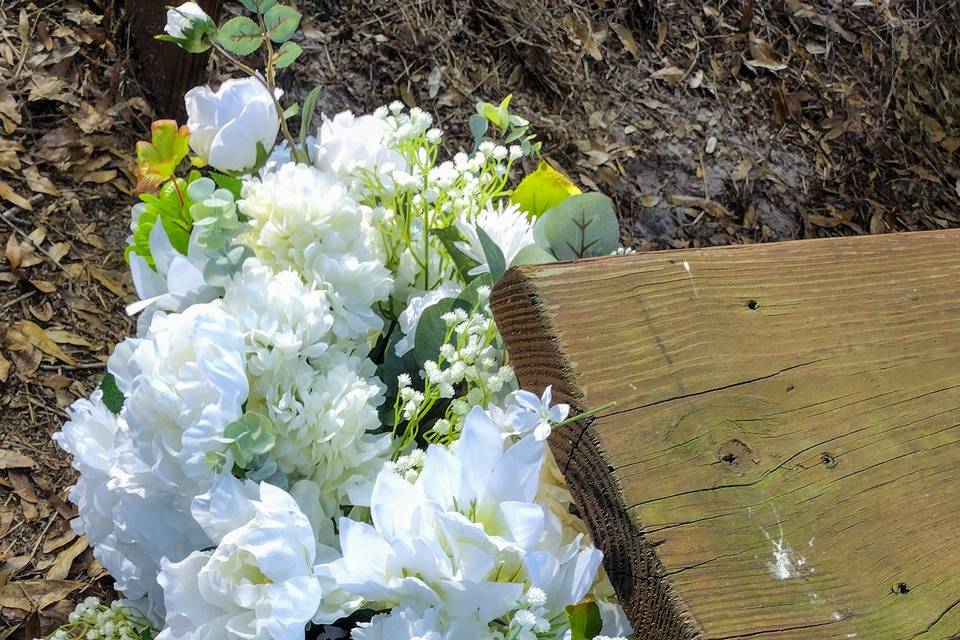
22, 486
99, 177
4, 368
101, 277
10, 152
25, 333
13, 460
30, 595
671, 74
47, 88
58, 251
7, 193
60, 568
39, 183
764, 56
12, 253
712, 208
582, 31
65, 538
9, 111
60, 336
649, 200
626, 38
44, 286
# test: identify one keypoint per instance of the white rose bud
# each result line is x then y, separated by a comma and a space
227, 125
187, 25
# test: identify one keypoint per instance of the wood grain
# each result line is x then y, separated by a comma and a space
783, 459
166, 70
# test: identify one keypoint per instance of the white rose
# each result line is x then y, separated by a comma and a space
226, 125
181, 19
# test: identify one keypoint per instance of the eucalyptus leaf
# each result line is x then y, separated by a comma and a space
287, 55
240, 35
432, 330
469, 294
231, 184
494, 255
532, 254
112, 396
309, 107
478, 127
585, 621
281, 22
581, 226
219, 270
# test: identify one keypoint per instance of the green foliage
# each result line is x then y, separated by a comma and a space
391, 367
542, 190
247, 437
513, 128
281, 22
240, 35
532, 254
309, 107
159, 158
171, 206
258, 6
495, 260
432, 330
218, 271
214, 214
581, 226
448, 237
231, 184
585, 621
287, 55
112, 396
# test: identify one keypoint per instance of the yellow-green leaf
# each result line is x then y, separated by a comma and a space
158, 159
542, 190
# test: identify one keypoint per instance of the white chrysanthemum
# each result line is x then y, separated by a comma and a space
350, 145
508, 227
257, 584
323, 417
130, 518
282, 319
306, 219
184, 382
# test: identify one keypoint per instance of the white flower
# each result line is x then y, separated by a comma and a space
410, 318
527, 412
348, 144
323, 421
257, 584
185, 18
400, 624
176, 282
184, 382
227, 125
282, 319
508, 227
306, 220
131, 519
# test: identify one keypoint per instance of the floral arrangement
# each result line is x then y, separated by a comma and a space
315, 429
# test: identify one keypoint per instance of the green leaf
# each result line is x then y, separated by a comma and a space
231, 184
218, 271
585, 621
543, 189
251, 435
309, 107
449, 236
532, 254
391, 367
581, 226
112, 396
159, 158
469, 294
287, 55
258, 6
281, 22
478, 127
432, 330
240, 35
291, 111
495, 260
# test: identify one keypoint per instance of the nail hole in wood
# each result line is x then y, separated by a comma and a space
753, 305
901, 588
828, 460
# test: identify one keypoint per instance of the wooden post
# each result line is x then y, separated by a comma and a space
164, 69
783, 459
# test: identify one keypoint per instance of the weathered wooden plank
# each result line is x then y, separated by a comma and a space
166, 70
783, 459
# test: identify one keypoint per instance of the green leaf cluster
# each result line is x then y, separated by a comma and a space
112, 396
247, 437
585, 621
513, 128
214, 214
242, 35
171, 207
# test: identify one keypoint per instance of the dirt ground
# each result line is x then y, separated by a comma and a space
708, 122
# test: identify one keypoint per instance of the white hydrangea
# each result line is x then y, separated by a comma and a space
352, 146
324, 416
131, 519
305, 219
282, 319
508, 226
259, 581
184, 382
